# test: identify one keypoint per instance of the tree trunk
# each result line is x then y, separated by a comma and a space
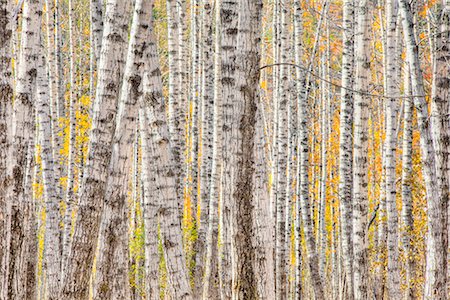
242, 133
52, 233
163, 166
360, 163
206, 129
211, 274
436, 254
18, 195
407, 173
440, 99
345, 146
81, 255
393, 272
6, 96
229, 28
112, 281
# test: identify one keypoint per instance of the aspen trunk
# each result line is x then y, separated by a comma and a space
211, 274
393, 272
345, 146
360, 163
407, 173
435, 273
79, 262
111, 281
242, 129
52, 234
166, 182
228, 30
6, 96
206, 129
440, 133
18, 195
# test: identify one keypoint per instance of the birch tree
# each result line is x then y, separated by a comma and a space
112, 281
159, 158
18, 195
6, 96
393, 274
361, 114
228, 31
345, 145
436, 266
242, 130
81, 254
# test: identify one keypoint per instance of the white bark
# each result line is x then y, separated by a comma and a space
6, 96
112, 280
162, 165
435, 273
345, 146
52, 233
81, 255
360, 163
393, 272
242, 133
228, 30
23, 130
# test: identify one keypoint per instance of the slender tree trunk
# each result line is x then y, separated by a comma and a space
112, 280
211, 274
70, 194
282, 157
436, 255
81, 255
229, 28
360, 163
6, 96
161, 159
393, 274
407, 173
441, 140
298, 31
18, 196
345, 146
206, 129
52, 233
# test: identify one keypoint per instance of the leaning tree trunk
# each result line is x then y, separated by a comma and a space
242, 131
303, 156
6, 96
52, 233
81, 255
436, 254
360, 163
159, 158
112, 280
21, 212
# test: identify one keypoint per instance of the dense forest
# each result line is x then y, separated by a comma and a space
224, 149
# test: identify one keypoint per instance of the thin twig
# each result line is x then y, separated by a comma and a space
338, 85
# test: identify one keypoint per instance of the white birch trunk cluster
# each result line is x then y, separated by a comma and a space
213, 149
